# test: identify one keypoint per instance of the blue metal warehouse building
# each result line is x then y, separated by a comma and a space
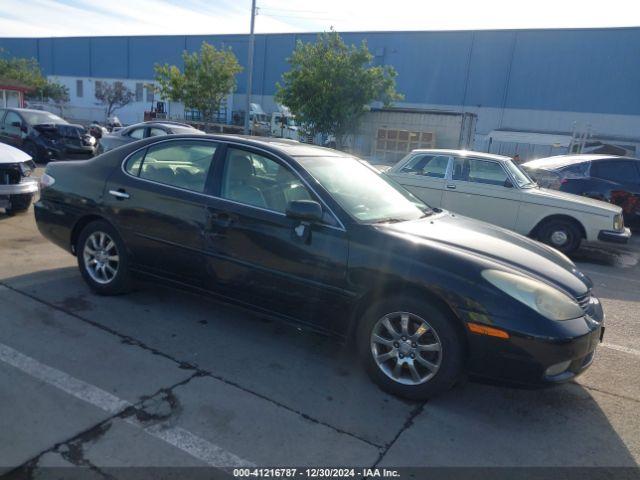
543, 81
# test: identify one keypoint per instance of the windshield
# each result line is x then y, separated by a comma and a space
366, 195
520, 176
39, 118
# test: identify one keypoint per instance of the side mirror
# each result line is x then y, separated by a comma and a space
507, 183
307, 210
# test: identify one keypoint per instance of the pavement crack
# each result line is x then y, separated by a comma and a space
198, 372
407, 424
617, 395
147, 410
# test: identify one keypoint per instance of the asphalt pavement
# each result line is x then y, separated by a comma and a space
162, 378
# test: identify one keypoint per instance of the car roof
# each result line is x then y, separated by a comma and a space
559, 161
463, 153
292, 148
160, 124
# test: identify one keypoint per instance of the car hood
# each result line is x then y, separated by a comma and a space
9, 154
556, 198
495, 244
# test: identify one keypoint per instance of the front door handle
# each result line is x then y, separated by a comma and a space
220, 219
451, 186
120, 194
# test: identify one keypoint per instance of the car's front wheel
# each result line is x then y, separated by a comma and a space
410, 348
561, 234
102, 259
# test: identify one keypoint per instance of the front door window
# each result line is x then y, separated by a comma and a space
259, 181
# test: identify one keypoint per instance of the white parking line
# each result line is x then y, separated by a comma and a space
620, 348
180, 438
613, 277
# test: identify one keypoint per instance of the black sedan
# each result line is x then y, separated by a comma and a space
45, 136
135, 132
603, 177
317, 237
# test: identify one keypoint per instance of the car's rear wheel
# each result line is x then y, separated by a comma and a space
563, 235
102, 259
410, 348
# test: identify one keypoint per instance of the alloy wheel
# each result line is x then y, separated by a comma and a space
101, 258
406, 348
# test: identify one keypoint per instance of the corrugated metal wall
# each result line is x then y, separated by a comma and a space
583, 70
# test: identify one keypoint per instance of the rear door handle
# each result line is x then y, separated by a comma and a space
451, 186
120, 194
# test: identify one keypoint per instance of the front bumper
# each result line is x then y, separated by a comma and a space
615, 237
25, 186
526, 360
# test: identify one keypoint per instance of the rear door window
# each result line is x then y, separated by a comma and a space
181, 164
137, 133
156, 132
618, 171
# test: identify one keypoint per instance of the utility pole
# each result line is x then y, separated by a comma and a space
247, 107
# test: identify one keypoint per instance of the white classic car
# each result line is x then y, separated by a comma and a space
494, 189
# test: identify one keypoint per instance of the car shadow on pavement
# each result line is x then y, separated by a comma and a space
319, 378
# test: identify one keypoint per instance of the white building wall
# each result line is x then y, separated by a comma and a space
86, 108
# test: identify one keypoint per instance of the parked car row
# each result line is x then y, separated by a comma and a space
494, 189
317, 237
45, 136
17, 187
604, 177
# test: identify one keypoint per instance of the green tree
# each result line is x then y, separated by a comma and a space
113, 95
27, 72
331, 85
208, 77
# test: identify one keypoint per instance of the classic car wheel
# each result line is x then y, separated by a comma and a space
563, 235
102, 259
410, 348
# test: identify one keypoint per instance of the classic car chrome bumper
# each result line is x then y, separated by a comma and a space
25, 186
616, 237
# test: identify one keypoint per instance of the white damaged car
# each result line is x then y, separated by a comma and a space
17, 188
494, 189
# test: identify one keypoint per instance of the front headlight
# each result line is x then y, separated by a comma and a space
547, 301
618, 222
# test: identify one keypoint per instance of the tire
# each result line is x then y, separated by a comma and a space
97, 237
19, 203
447, 359
31, 149
563, 235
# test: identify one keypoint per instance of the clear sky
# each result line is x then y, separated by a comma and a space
55, 18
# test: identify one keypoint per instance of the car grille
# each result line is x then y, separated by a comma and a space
585, 301
10, 175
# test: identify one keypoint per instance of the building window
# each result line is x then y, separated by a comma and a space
139, 92
150, 93
79, 88
98, 87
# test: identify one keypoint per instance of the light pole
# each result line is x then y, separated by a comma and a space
247, 107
